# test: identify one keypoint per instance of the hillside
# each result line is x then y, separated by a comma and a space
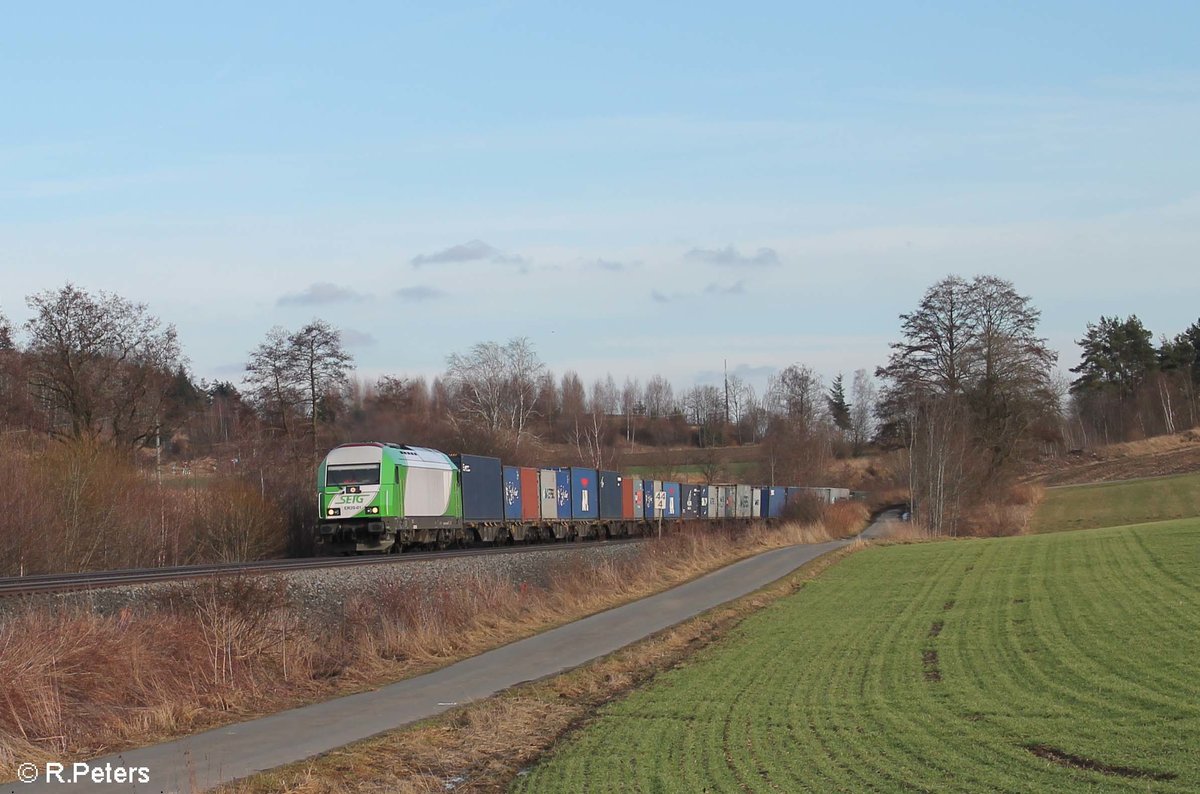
1152, 457
1109, 504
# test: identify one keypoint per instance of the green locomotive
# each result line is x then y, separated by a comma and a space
384, 497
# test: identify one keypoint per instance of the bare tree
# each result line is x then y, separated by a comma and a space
547, 404
271, 380
6, 339
660, 397
744, 410
631, 407
862, 409
298, 373
14, 396
574, 395
940, 454
705, 406
496, 385
590, 432
322, 366
938, 350
1011, 388
798, 393
970, 370
103, 365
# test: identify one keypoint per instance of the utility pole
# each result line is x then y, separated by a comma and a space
162, 507
726, 391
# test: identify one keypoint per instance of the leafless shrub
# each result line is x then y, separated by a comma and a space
74, 680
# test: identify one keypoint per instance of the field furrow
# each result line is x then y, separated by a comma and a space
1057, 662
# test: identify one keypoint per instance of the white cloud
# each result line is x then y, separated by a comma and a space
472, 251
322, 293
730, 257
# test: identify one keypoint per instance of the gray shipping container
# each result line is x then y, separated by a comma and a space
712, 508
755, 501
742, 505
548, 482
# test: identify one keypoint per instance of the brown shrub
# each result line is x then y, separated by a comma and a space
74, 682
85, 505
806, 508
1008, 513
845, 518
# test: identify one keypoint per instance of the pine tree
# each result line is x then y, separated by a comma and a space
839, 409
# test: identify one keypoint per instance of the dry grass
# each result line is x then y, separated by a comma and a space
1151, 446
74, 683
93, 509
1008, 513
483, 746
907, 532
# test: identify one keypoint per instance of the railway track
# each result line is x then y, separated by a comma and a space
65, 582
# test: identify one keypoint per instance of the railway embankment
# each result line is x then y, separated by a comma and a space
112, 669
326, 592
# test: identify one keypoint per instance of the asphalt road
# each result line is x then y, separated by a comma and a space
208, 759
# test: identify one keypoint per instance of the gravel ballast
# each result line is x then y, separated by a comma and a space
325, 590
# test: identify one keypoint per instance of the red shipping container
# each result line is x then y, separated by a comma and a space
531, 500
626, 498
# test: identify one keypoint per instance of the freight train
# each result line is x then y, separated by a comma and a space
383, 497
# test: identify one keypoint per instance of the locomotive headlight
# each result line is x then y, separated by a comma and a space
333, 511
373, 511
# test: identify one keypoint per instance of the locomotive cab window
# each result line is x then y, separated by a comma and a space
336, 476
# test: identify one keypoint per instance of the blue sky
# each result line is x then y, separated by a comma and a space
639, 188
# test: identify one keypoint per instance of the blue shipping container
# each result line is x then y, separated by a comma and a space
689, 498
610, 494
512, 493
773, 499
563, 493
673, 502
585, 494
482, 487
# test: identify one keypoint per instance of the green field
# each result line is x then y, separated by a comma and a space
1060, 662
1114, 503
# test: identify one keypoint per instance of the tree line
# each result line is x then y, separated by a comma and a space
138, 463
968, 396
971, 393
1127, 387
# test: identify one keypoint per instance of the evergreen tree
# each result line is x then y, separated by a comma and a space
839, 409
1117, 354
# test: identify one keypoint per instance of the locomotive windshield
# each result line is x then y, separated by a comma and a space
352, 475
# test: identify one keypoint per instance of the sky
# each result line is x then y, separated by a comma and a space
638, 188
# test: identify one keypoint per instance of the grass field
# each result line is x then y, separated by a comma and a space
1060, 662
1115, 503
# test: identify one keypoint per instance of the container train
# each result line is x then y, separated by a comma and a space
384, 497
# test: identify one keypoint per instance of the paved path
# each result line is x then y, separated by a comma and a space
207, 759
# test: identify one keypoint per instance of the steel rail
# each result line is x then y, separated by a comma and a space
65, 582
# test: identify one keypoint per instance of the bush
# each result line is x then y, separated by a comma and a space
85, 505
